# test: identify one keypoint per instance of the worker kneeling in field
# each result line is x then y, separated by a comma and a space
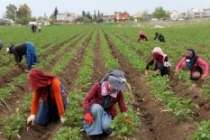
142, 36
27, 49
1, 45
194, 64
99, 103
54, 99
160, 61
159, 36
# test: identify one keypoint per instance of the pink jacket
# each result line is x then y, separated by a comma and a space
199, 61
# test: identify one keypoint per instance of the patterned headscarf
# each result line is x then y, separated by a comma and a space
190, 60
116, 79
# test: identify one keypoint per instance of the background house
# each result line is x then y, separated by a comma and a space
198, 13
65, 17
118, 16
137, 15
174, 15
6, 21
108, 18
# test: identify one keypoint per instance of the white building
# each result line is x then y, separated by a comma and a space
66, 17
198, 13
139, 14
174, 15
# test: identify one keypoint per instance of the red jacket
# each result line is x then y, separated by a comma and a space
94, 97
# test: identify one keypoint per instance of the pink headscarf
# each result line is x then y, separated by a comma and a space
158, 54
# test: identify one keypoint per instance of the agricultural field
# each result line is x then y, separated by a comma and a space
160, 108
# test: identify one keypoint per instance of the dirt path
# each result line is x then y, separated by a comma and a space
156, 125
67, 77
23, 89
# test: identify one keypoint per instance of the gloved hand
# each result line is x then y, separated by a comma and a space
88, 118
146, 72
26, 70
30, 120
62, 119
128, 121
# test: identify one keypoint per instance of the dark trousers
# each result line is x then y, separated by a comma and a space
48, 113
163, 70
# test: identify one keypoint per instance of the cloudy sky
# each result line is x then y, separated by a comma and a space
39, 7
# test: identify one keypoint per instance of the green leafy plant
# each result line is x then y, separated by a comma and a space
12, 124
66, 133
121, 127
202, 133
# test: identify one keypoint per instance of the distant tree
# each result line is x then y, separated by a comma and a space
24, 11
55, 12
83, 13
94, 15
45, 16
159, 13
99, 20
11, 11
145, 15
131, 18
24, 20
40, 18
86, 20
99, 15
88, 15
79, 19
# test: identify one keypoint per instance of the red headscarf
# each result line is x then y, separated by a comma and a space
38, 79
157, 57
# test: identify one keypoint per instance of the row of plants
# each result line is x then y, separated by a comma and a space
159, 86
8, 90
176, 43
74, 114
41, 41
76, 97
12, 128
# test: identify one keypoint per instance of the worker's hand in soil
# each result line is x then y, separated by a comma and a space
146, 72
30, 120
16, 67
62, 119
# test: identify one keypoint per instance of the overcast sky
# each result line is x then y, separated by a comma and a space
39, 7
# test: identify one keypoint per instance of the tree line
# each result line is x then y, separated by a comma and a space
23, 14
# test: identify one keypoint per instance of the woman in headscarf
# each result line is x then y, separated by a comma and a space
159, 36
160, 61
1, 44
142, 36
54, 99
194, 64
27, 49
99, 103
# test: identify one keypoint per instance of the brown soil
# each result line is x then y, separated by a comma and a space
156, 124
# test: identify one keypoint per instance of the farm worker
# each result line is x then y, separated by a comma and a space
54, 99
27, 49
39, 28
1, 45
33, 28
142, 36
99, 103
160, 61
193, 63
159, 36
